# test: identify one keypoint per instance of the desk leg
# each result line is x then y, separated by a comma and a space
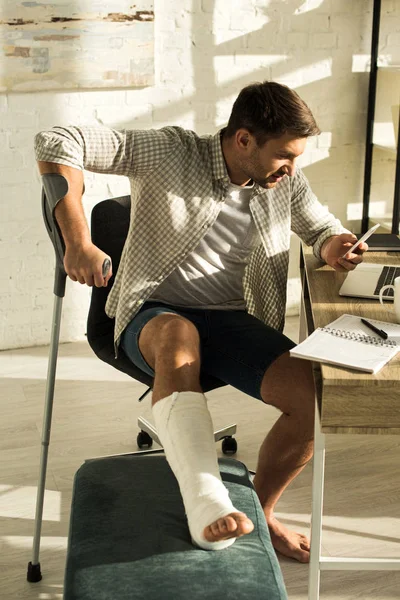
317, 508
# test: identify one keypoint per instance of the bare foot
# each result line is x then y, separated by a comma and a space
289, 543
233, 525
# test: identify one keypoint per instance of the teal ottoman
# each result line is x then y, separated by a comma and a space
129, 538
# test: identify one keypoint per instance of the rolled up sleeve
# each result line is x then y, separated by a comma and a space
102, 149
312, 222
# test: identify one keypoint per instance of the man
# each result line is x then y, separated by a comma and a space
201, 287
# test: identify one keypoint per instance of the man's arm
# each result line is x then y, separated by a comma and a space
320, 229
70, 150
83, 261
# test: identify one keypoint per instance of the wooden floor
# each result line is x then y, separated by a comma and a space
95, 414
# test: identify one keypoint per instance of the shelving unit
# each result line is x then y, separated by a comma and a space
387, 101
383, 108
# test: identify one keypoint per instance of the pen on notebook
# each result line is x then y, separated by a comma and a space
379, 332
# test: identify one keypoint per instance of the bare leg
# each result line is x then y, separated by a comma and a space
288, 384
171, 345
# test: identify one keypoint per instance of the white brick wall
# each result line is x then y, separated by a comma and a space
206, 51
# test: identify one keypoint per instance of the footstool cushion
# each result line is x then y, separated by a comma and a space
129, 538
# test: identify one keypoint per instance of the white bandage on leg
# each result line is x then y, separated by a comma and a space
185, 429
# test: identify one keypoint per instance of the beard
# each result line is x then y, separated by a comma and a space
255, 171
265, 182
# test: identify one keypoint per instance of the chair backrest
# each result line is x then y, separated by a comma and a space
109, 227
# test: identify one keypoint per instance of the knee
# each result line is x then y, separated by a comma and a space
177, 330
166, 334
288, 384
178, 347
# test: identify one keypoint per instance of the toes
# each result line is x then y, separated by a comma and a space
214, 527
244, 524
304, 543
223, 527
296, 553
291, 544
302, 552
229, 524
235, 524
303, 557
305, 546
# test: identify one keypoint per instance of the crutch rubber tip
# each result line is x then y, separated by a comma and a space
34, 574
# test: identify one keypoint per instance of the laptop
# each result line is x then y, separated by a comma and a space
367, 279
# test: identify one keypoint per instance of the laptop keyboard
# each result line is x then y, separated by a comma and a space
387, 277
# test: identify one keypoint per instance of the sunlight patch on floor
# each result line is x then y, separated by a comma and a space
19, 502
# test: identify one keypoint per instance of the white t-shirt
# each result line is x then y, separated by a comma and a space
211, 276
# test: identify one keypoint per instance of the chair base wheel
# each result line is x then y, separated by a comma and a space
229, 445
144, 440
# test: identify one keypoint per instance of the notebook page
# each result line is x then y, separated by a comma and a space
353, 324
355, 354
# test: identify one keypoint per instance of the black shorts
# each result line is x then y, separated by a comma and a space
235, 346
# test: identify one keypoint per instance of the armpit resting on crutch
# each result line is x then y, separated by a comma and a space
185, 429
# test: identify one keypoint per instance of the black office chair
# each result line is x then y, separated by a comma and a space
109, 227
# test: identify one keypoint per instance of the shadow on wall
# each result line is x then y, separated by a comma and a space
311, 52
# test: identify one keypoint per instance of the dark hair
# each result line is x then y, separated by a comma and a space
268, 110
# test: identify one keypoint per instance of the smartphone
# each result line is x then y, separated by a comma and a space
362, 239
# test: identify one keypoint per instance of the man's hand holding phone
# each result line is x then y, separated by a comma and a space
362, 239
344, 252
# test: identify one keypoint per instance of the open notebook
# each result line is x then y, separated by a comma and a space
347, 342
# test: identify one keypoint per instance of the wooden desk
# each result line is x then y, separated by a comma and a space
347, 401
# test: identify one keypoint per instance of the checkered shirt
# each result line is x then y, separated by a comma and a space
178, 183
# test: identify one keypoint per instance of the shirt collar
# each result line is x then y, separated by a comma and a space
217, 158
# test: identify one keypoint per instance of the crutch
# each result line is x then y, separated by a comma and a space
55, 187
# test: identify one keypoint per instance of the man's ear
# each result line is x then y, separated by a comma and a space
243, 139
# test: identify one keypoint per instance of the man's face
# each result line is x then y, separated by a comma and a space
267, 164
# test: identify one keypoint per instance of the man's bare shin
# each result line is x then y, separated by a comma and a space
289, 386
283, 455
